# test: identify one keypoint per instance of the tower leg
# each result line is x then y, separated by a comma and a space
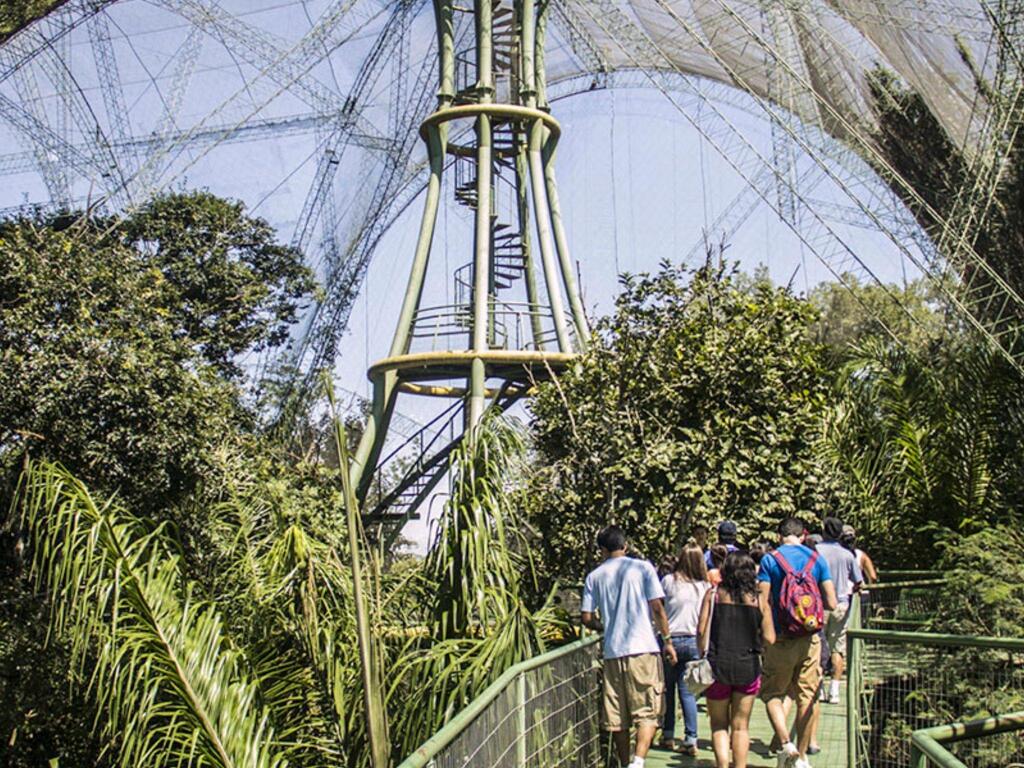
384, 389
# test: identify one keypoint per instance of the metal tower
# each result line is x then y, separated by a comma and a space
492, 347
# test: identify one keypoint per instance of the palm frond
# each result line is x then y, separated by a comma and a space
169, 689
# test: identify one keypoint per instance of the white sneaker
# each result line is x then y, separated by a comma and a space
802, 762
788, 756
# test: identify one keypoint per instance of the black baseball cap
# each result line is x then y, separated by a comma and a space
727, 531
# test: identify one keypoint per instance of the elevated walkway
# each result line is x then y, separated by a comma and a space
913, 699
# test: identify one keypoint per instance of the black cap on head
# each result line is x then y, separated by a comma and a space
833, 528
727, 532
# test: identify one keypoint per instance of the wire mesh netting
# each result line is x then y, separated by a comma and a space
900, 606
546, 718
908, 683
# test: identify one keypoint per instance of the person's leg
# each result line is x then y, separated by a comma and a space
718, 715
836, 636
688, 652
668, 726
812, 742
621, 739
739, 717
644, 737
777, 674
646, 699
614, 701
808, 680
787, 707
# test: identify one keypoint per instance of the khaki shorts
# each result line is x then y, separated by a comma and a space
634, 691
792, 667
835, 628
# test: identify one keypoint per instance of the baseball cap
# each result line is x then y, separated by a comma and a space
727, 531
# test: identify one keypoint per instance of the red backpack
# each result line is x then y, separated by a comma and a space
800, 611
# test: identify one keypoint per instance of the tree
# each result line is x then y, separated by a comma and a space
119, 338
698, 400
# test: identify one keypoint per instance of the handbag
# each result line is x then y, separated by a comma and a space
698, 674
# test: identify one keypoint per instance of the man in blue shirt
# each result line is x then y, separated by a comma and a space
726, 537
792, 665
626, 593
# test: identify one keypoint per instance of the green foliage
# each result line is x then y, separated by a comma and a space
698, 400
850, 313
921, 442
154, 659
984, 591
117, 336
15, 14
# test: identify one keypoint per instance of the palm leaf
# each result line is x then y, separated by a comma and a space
169, 690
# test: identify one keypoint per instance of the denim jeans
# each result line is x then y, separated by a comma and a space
686, 650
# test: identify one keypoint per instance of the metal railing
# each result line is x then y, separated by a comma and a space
541, 713
906, 682
927, 746
900, 605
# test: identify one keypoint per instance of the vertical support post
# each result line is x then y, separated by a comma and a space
854, 685
483, 232
521, 720
522, 199
384, 388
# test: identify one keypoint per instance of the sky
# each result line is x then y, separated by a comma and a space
639, 184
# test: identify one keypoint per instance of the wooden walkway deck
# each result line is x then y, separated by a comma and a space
831, 739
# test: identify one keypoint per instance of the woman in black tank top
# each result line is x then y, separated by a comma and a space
734, 623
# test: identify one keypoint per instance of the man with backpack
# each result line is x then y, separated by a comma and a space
796, 586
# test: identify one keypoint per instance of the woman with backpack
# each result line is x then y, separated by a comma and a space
734, 624
684, 589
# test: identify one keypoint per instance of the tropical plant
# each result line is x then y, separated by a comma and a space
480, 586
153, 657
919, 444
698, 400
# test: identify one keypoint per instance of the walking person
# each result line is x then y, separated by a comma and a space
684, 589
797, 585
847, 579
621, 597
867, 566
735, 623
726, 538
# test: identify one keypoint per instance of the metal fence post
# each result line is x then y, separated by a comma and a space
854, 686
521, 721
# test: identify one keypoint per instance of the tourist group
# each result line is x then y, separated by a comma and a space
732, 623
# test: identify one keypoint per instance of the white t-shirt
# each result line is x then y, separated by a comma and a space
682, 603
619, 590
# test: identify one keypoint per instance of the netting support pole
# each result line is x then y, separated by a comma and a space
854, 686
521, 721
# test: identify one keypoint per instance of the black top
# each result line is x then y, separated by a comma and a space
735, 646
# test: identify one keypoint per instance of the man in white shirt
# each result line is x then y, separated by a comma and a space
626, 594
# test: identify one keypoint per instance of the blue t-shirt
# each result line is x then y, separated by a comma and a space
707, 555
620, 590
797, 556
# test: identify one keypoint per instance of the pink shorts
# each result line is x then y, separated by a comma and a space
720, 691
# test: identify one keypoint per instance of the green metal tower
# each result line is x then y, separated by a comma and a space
493, 129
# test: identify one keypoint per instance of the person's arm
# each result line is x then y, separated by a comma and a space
856, 575
828, 594
588, 617
661, 624
704, 622
767, 621
869, 569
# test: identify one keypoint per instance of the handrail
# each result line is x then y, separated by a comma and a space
932, 638
926, 744
905, 584
429, 749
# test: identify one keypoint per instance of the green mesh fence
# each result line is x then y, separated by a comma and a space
543, 713
904, 605
904, 682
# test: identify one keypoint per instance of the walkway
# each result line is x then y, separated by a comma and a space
831, 738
